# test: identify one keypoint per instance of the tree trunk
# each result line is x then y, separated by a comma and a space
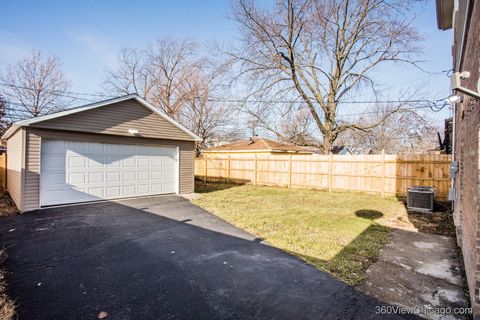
328, 140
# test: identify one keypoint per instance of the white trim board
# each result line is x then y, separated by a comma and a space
143, 102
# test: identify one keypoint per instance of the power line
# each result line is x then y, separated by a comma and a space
66, 94
219, 99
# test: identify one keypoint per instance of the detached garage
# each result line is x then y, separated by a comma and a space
123, 147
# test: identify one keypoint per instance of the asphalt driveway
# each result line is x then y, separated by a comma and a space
161, 258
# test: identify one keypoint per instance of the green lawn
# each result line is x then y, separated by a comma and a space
338, 232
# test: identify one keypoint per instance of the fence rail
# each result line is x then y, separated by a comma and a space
382, 174
3, 172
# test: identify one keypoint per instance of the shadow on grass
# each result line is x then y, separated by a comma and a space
348, 265
351, 263
202, 187
353, 260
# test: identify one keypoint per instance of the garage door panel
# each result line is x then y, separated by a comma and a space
143, 162
54, 179
75, 195
56, 162
76, 178
96, 148
143, 189
98, 162
158, 162
158, 187
78, 148
113, 191
143, 176
113, 176
55, 147
80, 171
128, 176
157, 175
53, 195
128, 190
76, 161
129, 162
113, 162
96, 177
114, 149
97, 192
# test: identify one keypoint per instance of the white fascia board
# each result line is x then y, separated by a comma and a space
26, 123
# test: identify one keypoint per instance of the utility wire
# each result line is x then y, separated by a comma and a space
219, 99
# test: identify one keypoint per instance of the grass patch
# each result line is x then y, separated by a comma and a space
338, 232
7, 307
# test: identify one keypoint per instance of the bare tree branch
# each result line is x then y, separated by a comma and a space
35, 86
321, 51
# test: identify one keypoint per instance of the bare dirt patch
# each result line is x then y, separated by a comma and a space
7, 206
7, 307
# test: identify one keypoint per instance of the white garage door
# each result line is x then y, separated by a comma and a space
83, 171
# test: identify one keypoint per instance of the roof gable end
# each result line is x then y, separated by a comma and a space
127, 115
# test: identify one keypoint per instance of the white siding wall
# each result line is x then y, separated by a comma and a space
14, 167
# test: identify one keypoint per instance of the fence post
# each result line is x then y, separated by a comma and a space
383, 172
3, 158
289, 171
206, 169
330, 171
228, 169
255, 171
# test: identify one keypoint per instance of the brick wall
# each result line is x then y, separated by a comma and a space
467, 183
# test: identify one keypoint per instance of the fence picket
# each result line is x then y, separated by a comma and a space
383, 174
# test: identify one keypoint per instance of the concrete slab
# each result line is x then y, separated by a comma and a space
191, 196
419, 270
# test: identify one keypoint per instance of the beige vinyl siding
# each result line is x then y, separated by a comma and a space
117, 119
35, 135
187, 170
15, 149
32, 171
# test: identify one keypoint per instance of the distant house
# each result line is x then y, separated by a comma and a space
257, 145
343, 150
360, 150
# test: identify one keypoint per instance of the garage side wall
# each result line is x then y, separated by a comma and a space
35, 135
15, 150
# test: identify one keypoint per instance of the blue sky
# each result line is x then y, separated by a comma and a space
86, 36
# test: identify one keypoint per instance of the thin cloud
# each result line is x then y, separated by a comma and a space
12, 48
99, 46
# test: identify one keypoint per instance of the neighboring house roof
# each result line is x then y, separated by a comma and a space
360, 150
143, 102
258, 145
341, 150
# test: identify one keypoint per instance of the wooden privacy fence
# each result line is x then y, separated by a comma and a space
3, 171
382, 174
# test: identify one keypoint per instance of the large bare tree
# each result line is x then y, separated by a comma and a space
4, 122
319, 52
34, 86
203, 114
157, 73
172, 76
408, 130
285, 122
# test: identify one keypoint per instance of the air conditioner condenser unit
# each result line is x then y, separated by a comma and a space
420, 198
